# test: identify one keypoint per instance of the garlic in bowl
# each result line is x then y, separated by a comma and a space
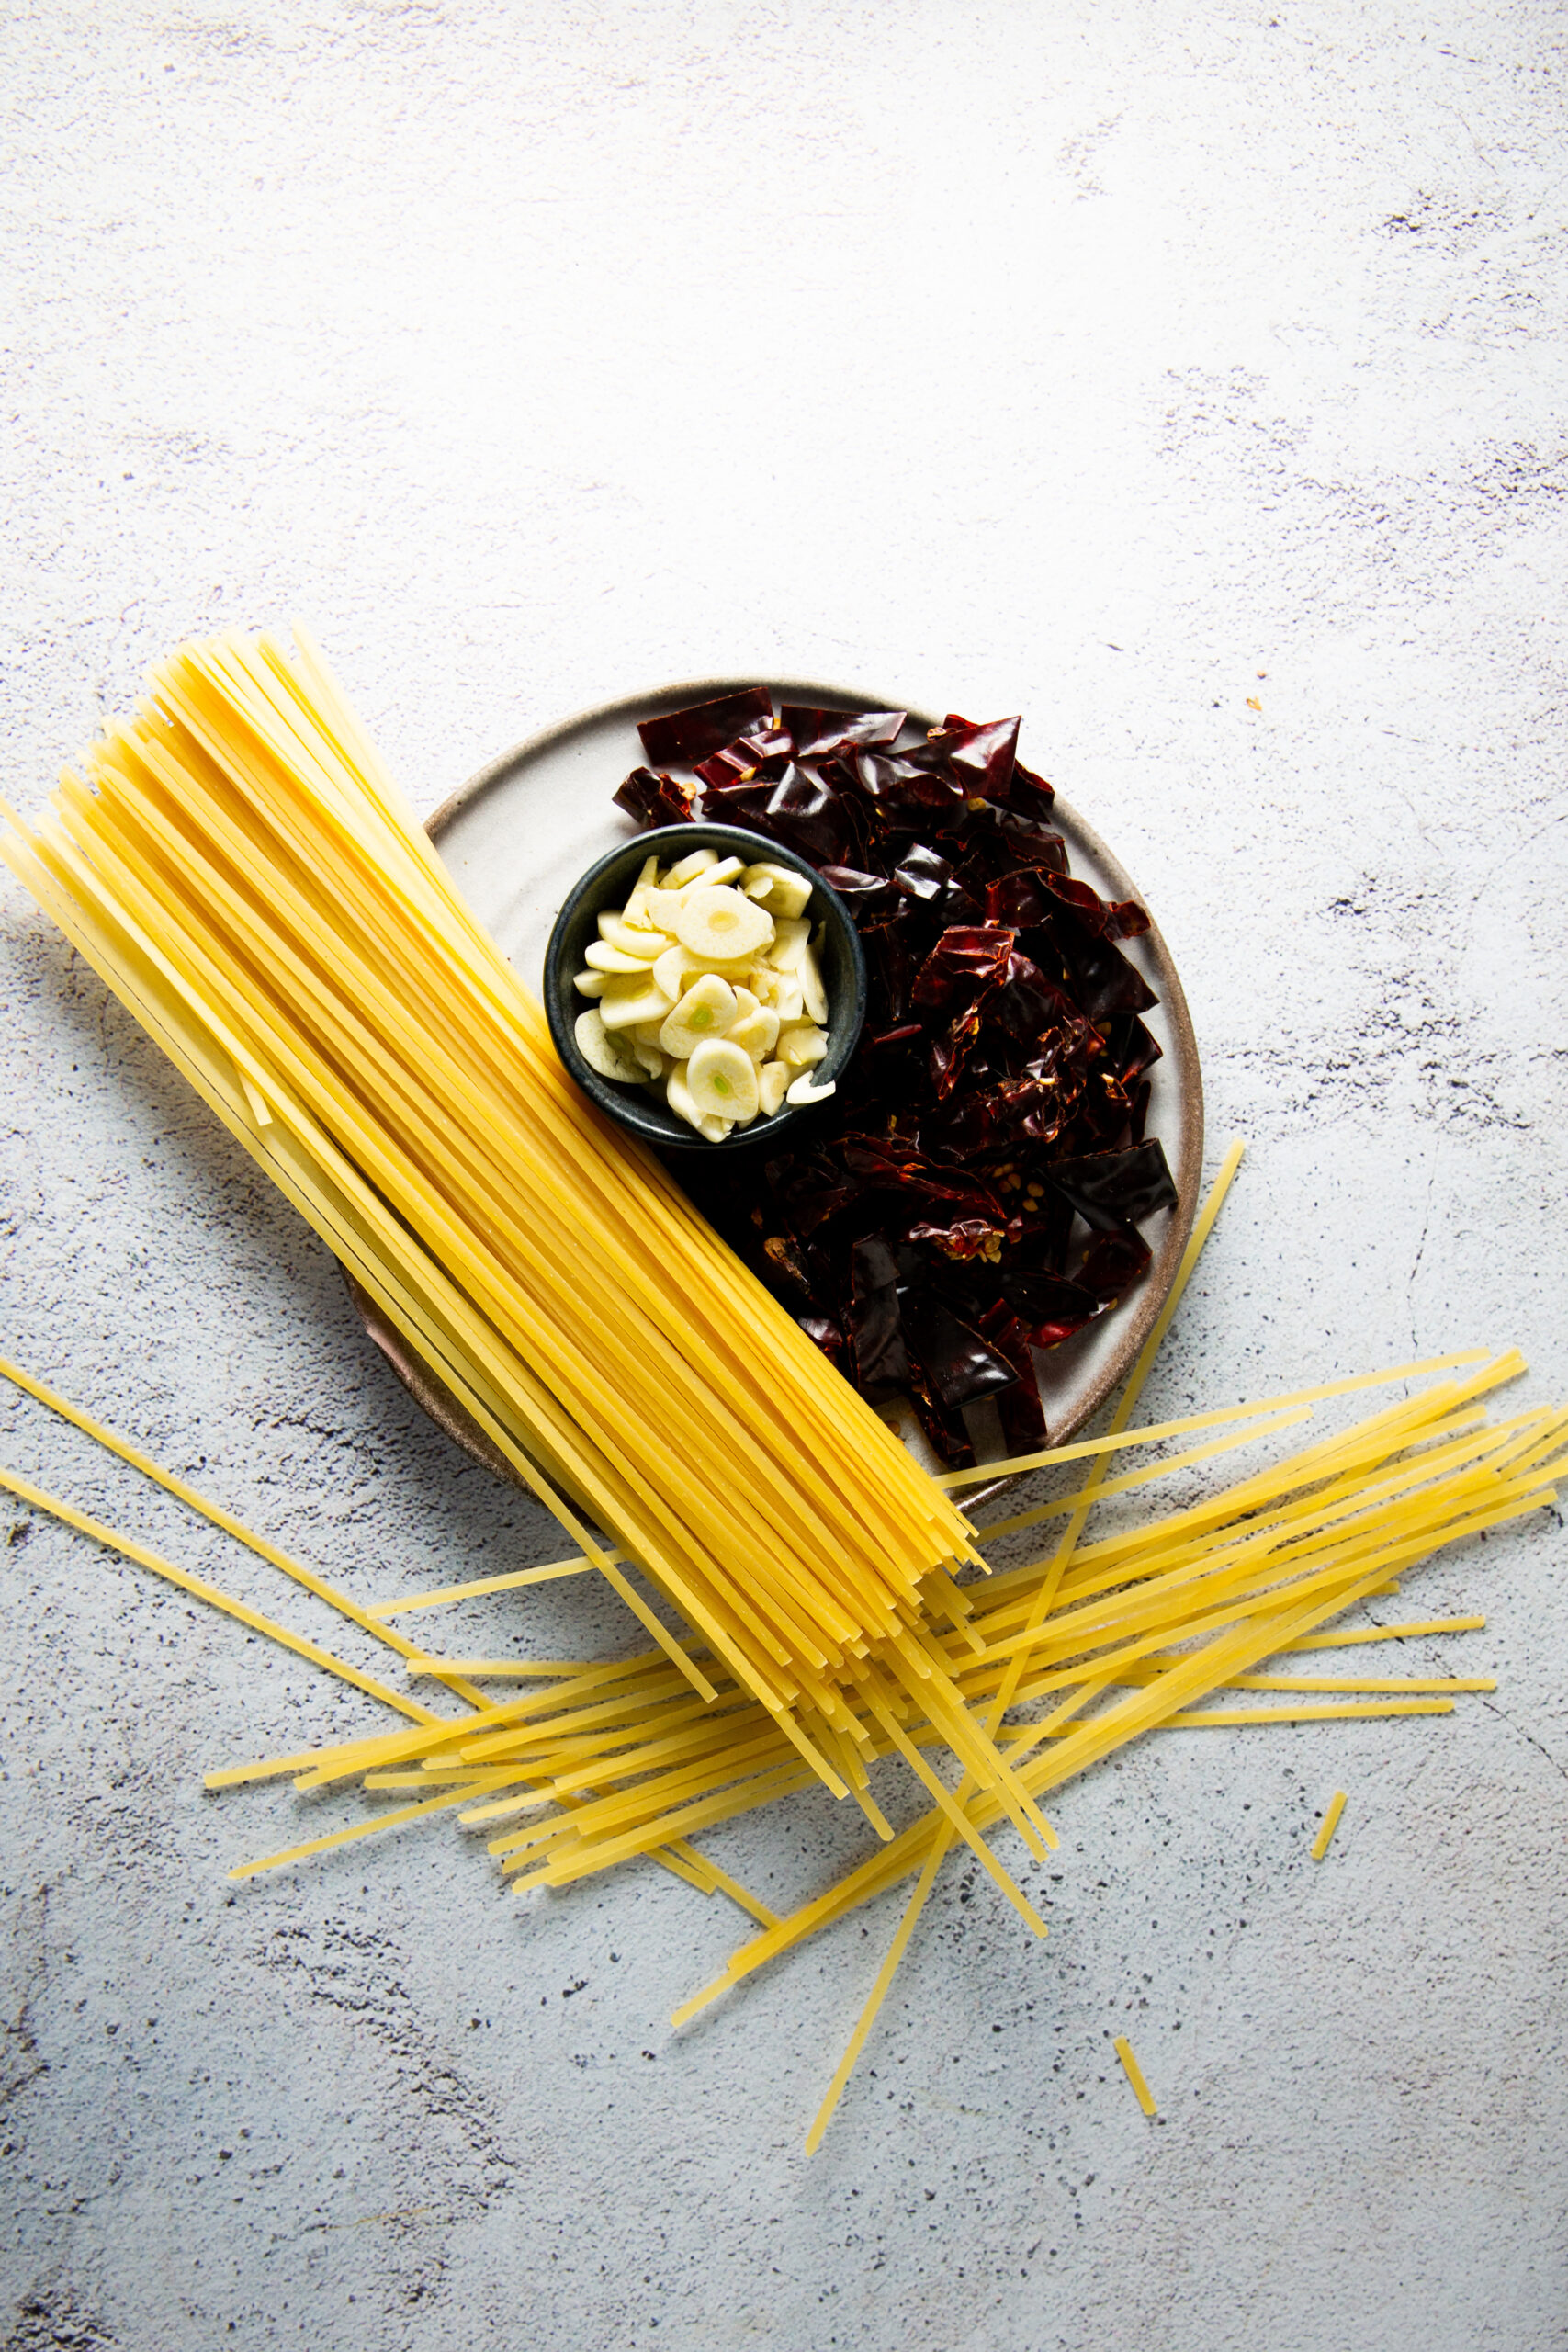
705, 987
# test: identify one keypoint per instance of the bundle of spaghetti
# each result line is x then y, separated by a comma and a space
1172, 1611
236, 864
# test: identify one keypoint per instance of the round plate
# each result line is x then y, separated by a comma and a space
516, 837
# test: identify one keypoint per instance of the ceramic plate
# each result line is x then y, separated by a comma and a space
518, 834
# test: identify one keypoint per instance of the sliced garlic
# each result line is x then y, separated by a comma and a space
791, 935
673, 972
642, 944
627, 1000
781, 890
678, 1094
813, 995
605, 958
635, 910
695, 861
722, 1080
709, 991
773, 1084
601, 1051
801, 1044
722, 925
756, 1033
704, 1013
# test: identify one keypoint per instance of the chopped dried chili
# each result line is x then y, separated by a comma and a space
925, 1236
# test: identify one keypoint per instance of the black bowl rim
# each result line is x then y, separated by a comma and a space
664, 1131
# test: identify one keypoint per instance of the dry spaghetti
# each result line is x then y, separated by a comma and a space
237, 865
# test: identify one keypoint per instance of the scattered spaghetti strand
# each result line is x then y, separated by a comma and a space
1325, 1838
1135, 2074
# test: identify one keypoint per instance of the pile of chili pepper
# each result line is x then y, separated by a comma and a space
975, 1189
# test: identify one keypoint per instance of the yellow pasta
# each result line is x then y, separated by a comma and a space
479, 1587
201, 1590
235, 861
1320, 1844
236, 864
1135, 2074
345, 1605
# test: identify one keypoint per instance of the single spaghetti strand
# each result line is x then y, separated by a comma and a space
1321, 1843
1135, 2074
514, 1579
395, 1820
1390, 1633
1223, 1718
878, 1994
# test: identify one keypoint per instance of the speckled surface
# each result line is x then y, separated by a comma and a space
1133, 365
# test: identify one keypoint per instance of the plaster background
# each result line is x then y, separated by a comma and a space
1126, 365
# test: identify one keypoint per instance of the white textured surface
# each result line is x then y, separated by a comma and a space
1095, 359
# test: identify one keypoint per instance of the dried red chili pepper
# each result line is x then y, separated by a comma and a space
687, 736
997, 1103
655, 800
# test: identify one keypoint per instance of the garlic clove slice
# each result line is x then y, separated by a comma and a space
602, 957
757, 1033
813, 995
678, 1094
722, 925
806, 1091
781, 890
627, 1000
601, 1051
636, 908
801, 1044
706, 1012
791, 937
695, 861
723, 1081
643, 945
773, 1084
673, 972
588, 984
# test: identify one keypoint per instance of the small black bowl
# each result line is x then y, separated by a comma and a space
607, 885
